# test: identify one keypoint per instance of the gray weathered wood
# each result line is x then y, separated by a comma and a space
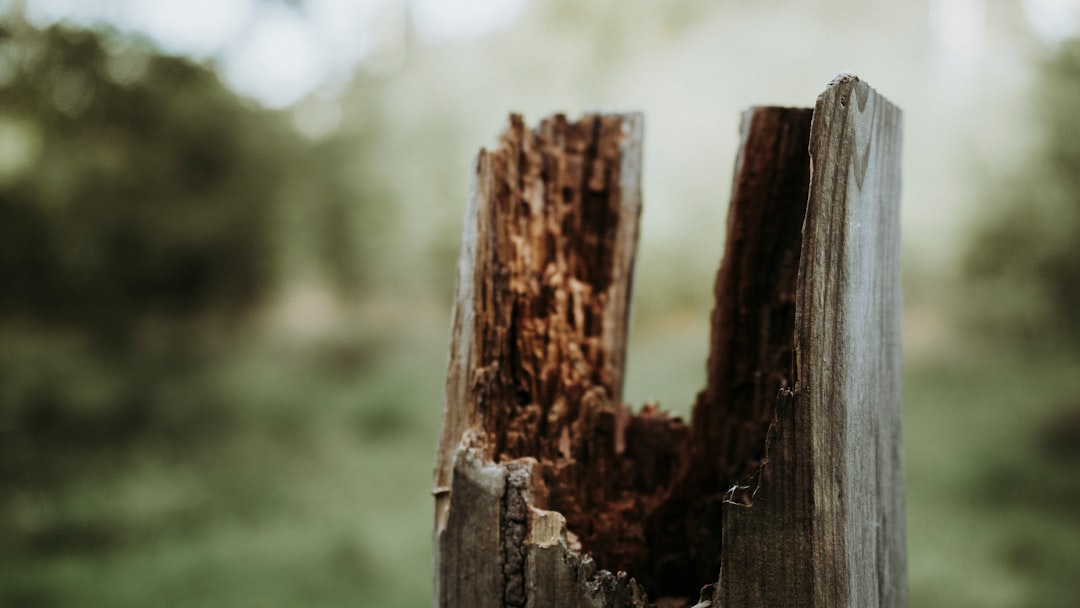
826, 528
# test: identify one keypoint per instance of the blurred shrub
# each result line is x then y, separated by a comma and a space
135, 190
138, 217
1026, 260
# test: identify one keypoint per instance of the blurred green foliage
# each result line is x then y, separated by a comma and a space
134, 189
1020, 489
1025, 260
992, 452
136, 199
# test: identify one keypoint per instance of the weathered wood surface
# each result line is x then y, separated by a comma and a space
533, 415
550, 492
826, 528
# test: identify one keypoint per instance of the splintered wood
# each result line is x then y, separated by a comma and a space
552, 492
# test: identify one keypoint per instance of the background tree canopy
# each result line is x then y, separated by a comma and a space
136, 188
1028, 254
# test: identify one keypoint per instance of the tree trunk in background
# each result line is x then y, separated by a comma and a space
551, 492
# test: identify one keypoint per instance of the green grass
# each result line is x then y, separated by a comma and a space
312, 486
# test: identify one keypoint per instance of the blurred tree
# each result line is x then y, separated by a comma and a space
135, 189
339, 208
1029, 254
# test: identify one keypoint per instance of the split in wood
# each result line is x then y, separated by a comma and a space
547, 483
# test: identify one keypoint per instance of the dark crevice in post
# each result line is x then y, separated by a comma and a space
750, 355
514, 522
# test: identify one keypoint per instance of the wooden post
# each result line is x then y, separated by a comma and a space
787, 488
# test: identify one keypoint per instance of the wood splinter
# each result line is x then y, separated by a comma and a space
786, 489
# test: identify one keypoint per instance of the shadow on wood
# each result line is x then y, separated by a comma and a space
787, 488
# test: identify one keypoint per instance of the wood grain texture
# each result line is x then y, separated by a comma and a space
474, 576
532, 414
752, 341
847, 342
788, 488
826, 527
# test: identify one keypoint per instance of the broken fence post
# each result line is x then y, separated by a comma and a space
787, 488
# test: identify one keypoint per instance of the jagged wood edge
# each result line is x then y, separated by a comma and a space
476, 560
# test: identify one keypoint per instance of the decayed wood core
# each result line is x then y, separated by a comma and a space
641, 493
551, 385
750, 350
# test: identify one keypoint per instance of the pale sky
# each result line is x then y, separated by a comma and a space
1053, 20
277, 54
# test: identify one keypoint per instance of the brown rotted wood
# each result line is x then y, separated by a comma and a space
750, 348
532, 415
